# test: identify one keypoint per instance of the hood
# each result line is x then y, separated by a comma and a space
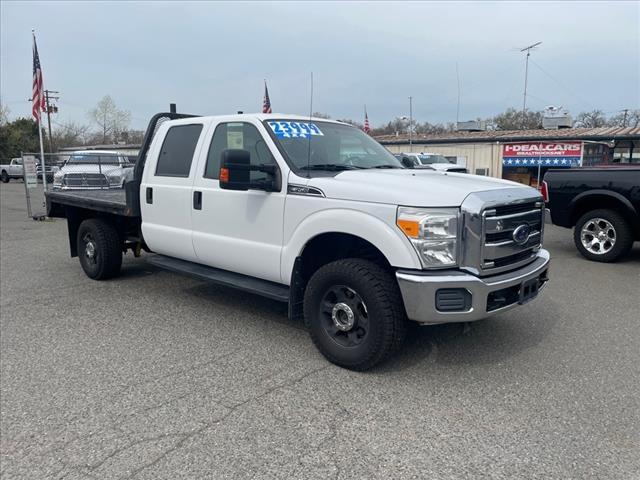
409, 187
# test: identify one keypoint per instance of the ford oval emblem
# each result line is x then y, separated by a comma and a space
521, 234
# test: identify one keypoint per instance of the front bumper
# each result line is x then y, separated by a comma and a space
488, 296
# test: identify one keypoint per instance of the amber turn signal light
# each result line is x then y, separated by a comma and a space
410, 228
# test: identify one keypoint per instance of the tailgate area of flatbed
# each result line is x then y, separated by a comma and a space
110, 201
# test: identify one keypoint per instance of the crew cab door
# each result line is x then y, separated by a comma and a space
165, 191
240, 231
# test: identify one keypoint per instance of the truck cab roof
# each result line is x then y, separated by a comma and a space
239, 117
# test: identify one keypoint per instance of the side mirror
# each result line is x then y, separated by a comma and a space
407, 162
236, 168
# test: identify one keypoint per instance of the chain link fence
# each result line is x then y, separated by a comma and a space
72, 171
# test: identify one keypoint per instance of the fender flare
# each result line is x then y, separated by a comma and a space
396, 248
601, 192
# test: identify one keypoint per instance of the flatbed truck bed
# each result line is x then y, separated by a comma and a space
108, 201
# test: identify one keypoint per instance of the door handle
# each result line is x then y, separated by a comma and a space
149, 195
197, 200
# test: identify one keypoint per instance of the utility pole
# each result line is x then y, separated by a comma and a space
50, 108
410, 124
526, 75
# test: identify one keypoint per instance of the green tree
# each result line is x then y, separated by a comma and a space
18, 136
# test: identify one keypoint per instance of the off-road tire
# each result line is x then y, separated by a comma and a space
379, 291
623, 235
107, 259
4, 176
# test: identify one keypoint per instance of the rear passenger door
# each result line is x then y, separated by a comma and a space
165, 191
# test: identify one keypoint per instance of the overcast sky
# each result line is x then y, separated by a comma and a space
211, 58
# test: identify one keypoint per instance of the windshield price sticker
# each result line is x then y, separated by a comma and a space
284, 129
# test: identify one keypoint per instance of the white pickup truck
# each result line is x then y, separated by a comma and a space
11, 170
317, 214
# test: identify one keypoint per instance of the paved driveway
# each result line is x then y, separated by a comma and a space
156, 376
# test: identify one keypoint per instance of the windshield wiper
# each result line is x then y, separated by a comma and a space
385, 166
332, 167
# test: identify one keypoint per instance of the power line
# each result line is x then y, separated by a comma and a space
582, 100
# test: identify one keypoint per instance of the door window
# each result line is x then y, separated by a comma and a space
242, 136
177, 151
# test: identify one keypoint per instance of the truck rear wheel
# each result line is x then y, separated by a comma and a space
354, 312
602, 235
99, 249
4, 177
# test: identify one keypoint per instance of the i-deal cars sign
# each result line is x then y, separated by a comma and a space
545, 154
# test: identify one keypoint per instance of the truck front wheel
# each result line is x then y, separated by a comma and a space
354, 312
602, 235
99, 249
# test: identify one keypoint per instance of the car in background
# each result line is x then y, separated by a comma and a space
433, 161
49, 170
10, 170
408, 162
602, 204
93, 169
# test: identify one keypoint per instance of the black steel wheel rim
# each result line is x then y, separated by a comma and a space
344, 316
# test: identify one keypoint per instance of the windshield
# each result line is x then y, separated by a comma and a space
92, 158
431, 159
329, 146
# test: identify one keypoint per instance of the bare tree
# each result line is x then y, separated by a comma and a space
352, 122
629, 118
4, 114
592, 119
110, 119
132, 136
511, 119
70, 134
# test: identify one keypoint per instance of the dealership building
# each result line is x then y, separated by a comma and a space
523, 155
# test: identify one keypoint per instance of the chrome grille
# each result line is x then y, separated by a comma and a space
85, 180
489, 220
500, 250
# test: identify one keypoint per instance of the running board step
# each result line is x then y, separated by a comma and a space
265, 288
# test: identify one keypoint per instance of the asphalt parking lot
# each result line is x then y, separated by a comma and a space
156, 376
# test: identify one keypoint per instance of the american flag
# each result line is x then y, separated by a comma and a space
366, 128
37, 96
266, 103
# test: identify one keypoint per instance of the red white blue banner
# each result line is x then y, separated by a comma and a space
545, 154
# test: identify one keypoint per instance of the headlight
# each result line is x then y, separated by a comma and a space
433, 233
57, 178
115, 179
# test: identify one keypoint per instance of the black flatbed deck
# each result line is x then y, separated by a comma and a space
111, 201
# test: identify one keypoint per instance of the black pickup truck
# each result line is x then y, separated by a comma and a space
601, 203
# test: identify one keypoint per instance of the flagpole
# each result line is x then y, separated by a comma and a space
44, 176
42, 162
